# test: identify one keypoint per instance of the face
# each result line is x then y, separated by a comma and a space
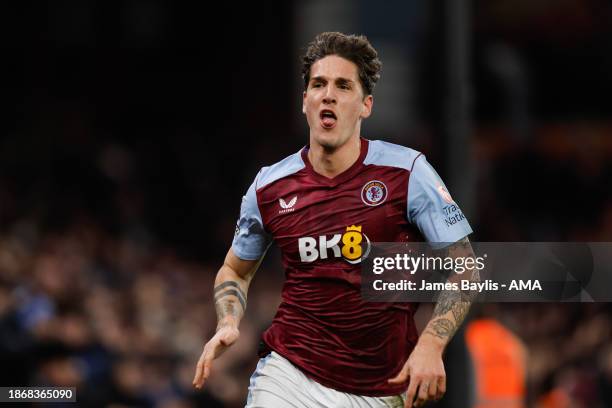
334, 102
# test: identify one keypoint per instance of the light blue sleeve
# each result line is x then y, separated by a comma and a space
431, 207
250, 240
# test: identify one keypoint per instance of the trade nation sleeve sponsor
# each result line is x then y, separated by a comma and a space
323, 228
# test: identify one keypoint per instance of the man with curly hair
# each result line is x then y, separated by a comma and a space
327, 346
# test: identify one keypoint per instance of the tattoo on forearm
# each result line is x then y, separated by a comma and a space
226, 308
442, 328
446, 301
224, 285
460, 310
225, 300
455, 301
232, 292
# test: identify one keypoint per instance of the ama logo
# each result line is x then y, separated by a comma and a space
352, 246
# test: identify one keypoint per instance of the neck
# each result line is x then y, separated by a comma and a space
331, 162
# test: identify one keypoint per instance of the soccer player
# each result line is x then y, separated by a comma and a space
326, 346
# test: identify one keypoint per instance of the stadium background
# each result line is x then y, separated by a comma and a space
134, 127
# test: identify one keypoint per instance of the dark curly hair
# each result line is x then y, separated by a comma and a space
355, 48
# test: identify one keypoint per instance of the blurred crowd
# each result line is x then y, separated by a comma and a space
121, 321
123, 315
552, 187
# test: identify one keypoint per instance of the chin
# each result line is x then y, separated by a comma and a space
330, 141
330, 144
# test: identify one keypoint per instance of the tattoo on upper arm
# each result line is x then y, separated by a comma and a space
475, 275
461, 245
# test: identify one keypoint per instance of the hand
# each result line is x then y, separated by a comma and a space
221, 341
425, 369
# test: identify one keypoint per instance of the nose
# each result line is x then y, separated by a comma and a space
330, 96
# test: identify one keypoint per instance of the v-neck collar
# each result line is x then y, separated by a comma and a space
342, 177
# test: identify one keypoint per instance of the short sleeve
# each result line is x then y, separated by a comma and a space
250, 240
431, 207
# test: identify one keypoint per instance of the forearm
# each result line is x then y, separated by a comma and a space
452, 305
231, 287
230, 297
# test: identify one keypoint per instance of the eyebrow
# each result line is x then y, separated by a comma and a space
338, 80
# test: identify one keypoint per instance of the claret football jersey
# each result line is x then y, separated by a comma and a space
321, 225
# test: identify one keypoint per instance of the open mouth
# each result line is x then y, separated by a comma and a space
328, 118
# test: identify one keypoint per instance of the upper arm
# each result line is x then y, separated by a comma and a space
244, 268
431, 207
460, 249
251, 239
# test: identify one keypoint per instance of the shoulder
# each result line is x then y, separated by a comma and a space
382, 153
284, 168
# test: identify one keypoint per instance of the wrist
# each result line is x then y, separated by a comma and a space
229, 322
429, 341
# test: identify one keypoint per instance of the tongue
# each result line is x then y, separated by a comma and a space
328, 121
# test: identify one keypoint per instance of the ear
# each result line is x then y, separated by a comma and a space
366, 110
304, 102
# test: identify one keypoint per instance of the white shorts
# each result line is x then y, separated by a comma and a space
276, 383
